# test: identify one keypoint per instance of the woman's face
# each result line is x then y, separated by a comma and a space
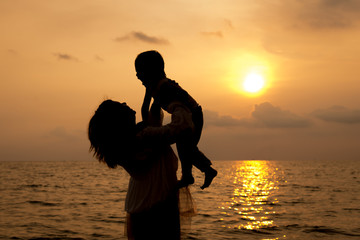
125, 106
131, 113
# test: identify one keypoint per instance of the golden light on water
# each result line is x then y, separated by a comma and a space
252, 199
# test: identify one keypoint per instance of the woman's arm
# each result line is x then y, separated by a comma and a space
180, 125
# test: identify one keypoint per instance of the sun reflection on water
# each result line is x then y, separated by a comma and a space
253, 198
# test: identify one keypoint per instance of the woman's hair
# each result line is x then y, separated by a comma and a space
112, 132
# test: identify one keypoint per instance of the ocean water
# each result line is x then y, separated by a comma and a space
247, 200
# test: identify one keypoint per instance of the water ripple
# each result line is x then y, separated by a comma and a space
248, 200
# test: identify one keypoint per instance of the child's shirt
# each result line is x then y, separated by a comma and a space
168, 94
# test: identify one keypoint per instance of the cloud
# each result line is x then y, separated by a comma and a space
339, 114
341, 5
214, 119
60, 133
308, 29
264, 115
98, 58
325, 16
274, 117
142, 37
64, 56
229, 23
314, 14
12, 51
213, 34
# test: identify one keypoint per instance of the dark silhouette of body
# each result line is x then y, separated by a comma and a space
169, 95
152, 198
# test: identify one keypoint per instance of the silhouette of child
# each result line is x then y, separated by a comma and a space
168, 95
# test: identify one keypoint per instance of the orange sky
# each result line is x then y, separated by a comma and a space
59, 59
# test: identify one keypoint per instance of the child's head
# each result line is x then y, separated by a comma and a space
111, 132
149, 67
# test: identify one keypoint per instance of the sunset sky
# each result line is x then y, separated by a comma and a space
60, 59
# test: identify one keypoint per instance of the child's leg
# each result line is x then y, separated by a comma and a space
201, 162
185, 152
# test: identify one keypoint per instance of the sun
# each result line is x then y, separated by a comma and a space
250, 76
253, 83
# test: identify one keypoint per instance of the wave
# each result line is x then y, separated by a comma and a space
329, 231
52, 238
33, 185
351, 209
43, 203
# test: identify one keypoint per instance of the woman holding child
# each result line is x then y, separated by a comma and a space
152, 197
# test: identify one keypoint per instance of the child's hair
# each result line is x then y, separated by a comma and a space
151, 63
112, 132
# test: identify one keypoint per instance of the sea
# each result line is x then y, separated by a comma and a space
255, 199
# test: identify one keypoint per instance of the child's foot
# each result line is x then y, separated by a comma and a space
186, 181
210, 174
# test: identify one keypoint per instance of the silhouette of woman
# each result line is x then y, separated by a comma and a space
152, 198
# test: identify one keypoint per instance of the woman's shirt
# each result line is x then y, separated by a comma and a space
146, 190
154, 185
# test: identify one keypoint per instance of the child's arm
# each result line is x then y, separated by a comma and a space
145, 106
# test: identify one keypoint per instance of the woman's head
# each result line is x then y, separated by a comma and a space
111, 132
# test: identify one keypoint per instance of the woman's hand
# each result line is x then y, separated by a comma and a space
181, 125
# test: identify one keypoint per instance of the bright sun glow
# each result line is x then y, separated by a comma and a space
253, 83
